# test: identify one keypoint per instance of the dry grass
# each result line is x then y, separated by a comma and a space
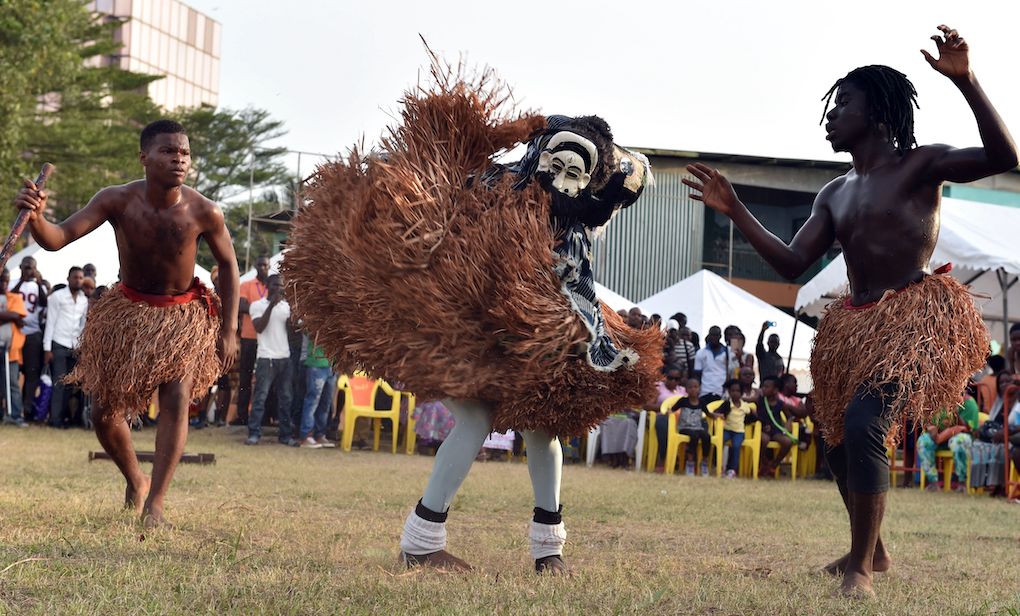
274, 530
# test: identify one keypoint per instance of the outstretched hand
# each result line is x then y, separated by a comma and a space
715, 190
954, 54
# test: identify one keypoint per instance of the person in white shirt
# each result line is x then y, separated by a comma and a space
710, 365
33, 289
270, 316
64, 312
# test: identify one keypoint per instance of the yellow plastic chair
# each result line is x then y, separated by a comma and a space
807, 460
750, 451
715, 433
650, 451
359, 402
411, 437
791, 457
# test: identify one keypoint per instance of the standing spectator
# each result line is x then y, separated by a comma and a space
776, 426
64, 313
735, 412
770, 362
272, 364
12, 318
250, 292
655, 321
710, 366
684, 351
33, 290
1014, 348
88, 286
690, 421
320, 388
90, 271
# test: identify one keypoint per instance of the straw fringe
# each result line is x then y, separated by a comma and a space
128, 349
403, 265
924, 342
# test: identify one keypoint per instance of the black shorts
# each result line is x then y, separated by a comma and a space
861, 459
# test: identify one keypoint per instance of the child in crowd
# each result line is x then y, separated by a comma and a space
690, 421
735, 412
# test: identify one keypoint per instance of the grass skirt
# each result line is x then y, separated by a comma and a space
405, 266
921, 345
128, 349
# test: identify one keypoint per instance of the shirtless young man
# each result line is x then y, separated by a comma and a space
869, 369
159, 328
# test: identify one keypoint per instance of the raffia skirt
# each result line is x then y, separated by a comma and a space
129, 348
917, 347
406, 266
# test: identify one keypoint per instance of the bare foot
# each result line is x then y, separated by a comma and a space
152, 518
441, 560
134, 496
856, 586
879, 564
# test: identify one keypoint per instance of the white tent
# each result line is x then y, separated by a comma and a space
274, 267
611, 299
98, 248
978, 239
708, 299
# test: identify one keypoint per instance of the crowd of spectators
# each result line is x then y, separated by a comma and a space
282, 378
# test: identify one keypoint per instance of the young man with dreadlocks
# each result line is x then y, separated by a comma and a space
902, 343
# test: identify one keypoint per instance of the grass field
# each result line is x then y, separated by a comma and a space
276, 530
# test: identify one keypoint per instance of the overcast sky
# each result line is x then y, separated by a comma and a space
718, 76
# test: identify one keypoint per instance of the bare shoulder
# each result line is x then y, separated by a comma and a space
825, 195
119, 195
926, 153
205, 209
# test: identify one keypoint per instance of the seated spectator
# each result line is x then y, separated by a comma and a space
952, 431
736, 413
776, 426
690, 421
986, 387
667, 388
794, 405
987, 451
433, 422
750, 393
618, 438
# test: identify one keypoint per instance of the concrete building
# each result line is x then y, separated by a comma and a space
167, 37
666, 236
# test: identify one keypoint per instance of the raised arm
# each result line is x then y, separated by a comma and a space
810, 243
55, 236
998, 152
218, 238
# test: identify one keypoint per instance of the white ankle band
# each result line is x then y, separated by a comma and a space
547, 539
421, 536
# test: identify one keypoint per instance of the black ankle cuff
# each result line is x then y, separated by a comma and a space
548, 517
428, 515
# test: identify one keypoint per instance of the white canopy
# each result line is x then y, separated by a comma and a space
98, 248
611, 299
707, 300
977, 238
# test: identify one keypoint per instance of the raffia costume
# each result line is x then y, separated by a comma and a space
133, 342
429, 264
917, 347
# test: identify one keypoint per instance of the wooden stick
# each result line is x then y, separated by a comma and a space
149, 456
22, 220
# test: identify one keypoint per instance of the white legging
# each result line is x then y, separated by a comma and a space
458, 451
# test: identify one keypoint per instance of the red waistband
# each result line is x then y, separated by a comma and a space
197, 291
847, 303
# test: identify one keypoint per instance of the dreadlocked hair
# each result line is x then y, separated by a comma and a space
891, 101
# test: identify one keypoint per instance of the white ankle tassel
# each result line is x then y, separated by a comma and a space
547, 539
421, 536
